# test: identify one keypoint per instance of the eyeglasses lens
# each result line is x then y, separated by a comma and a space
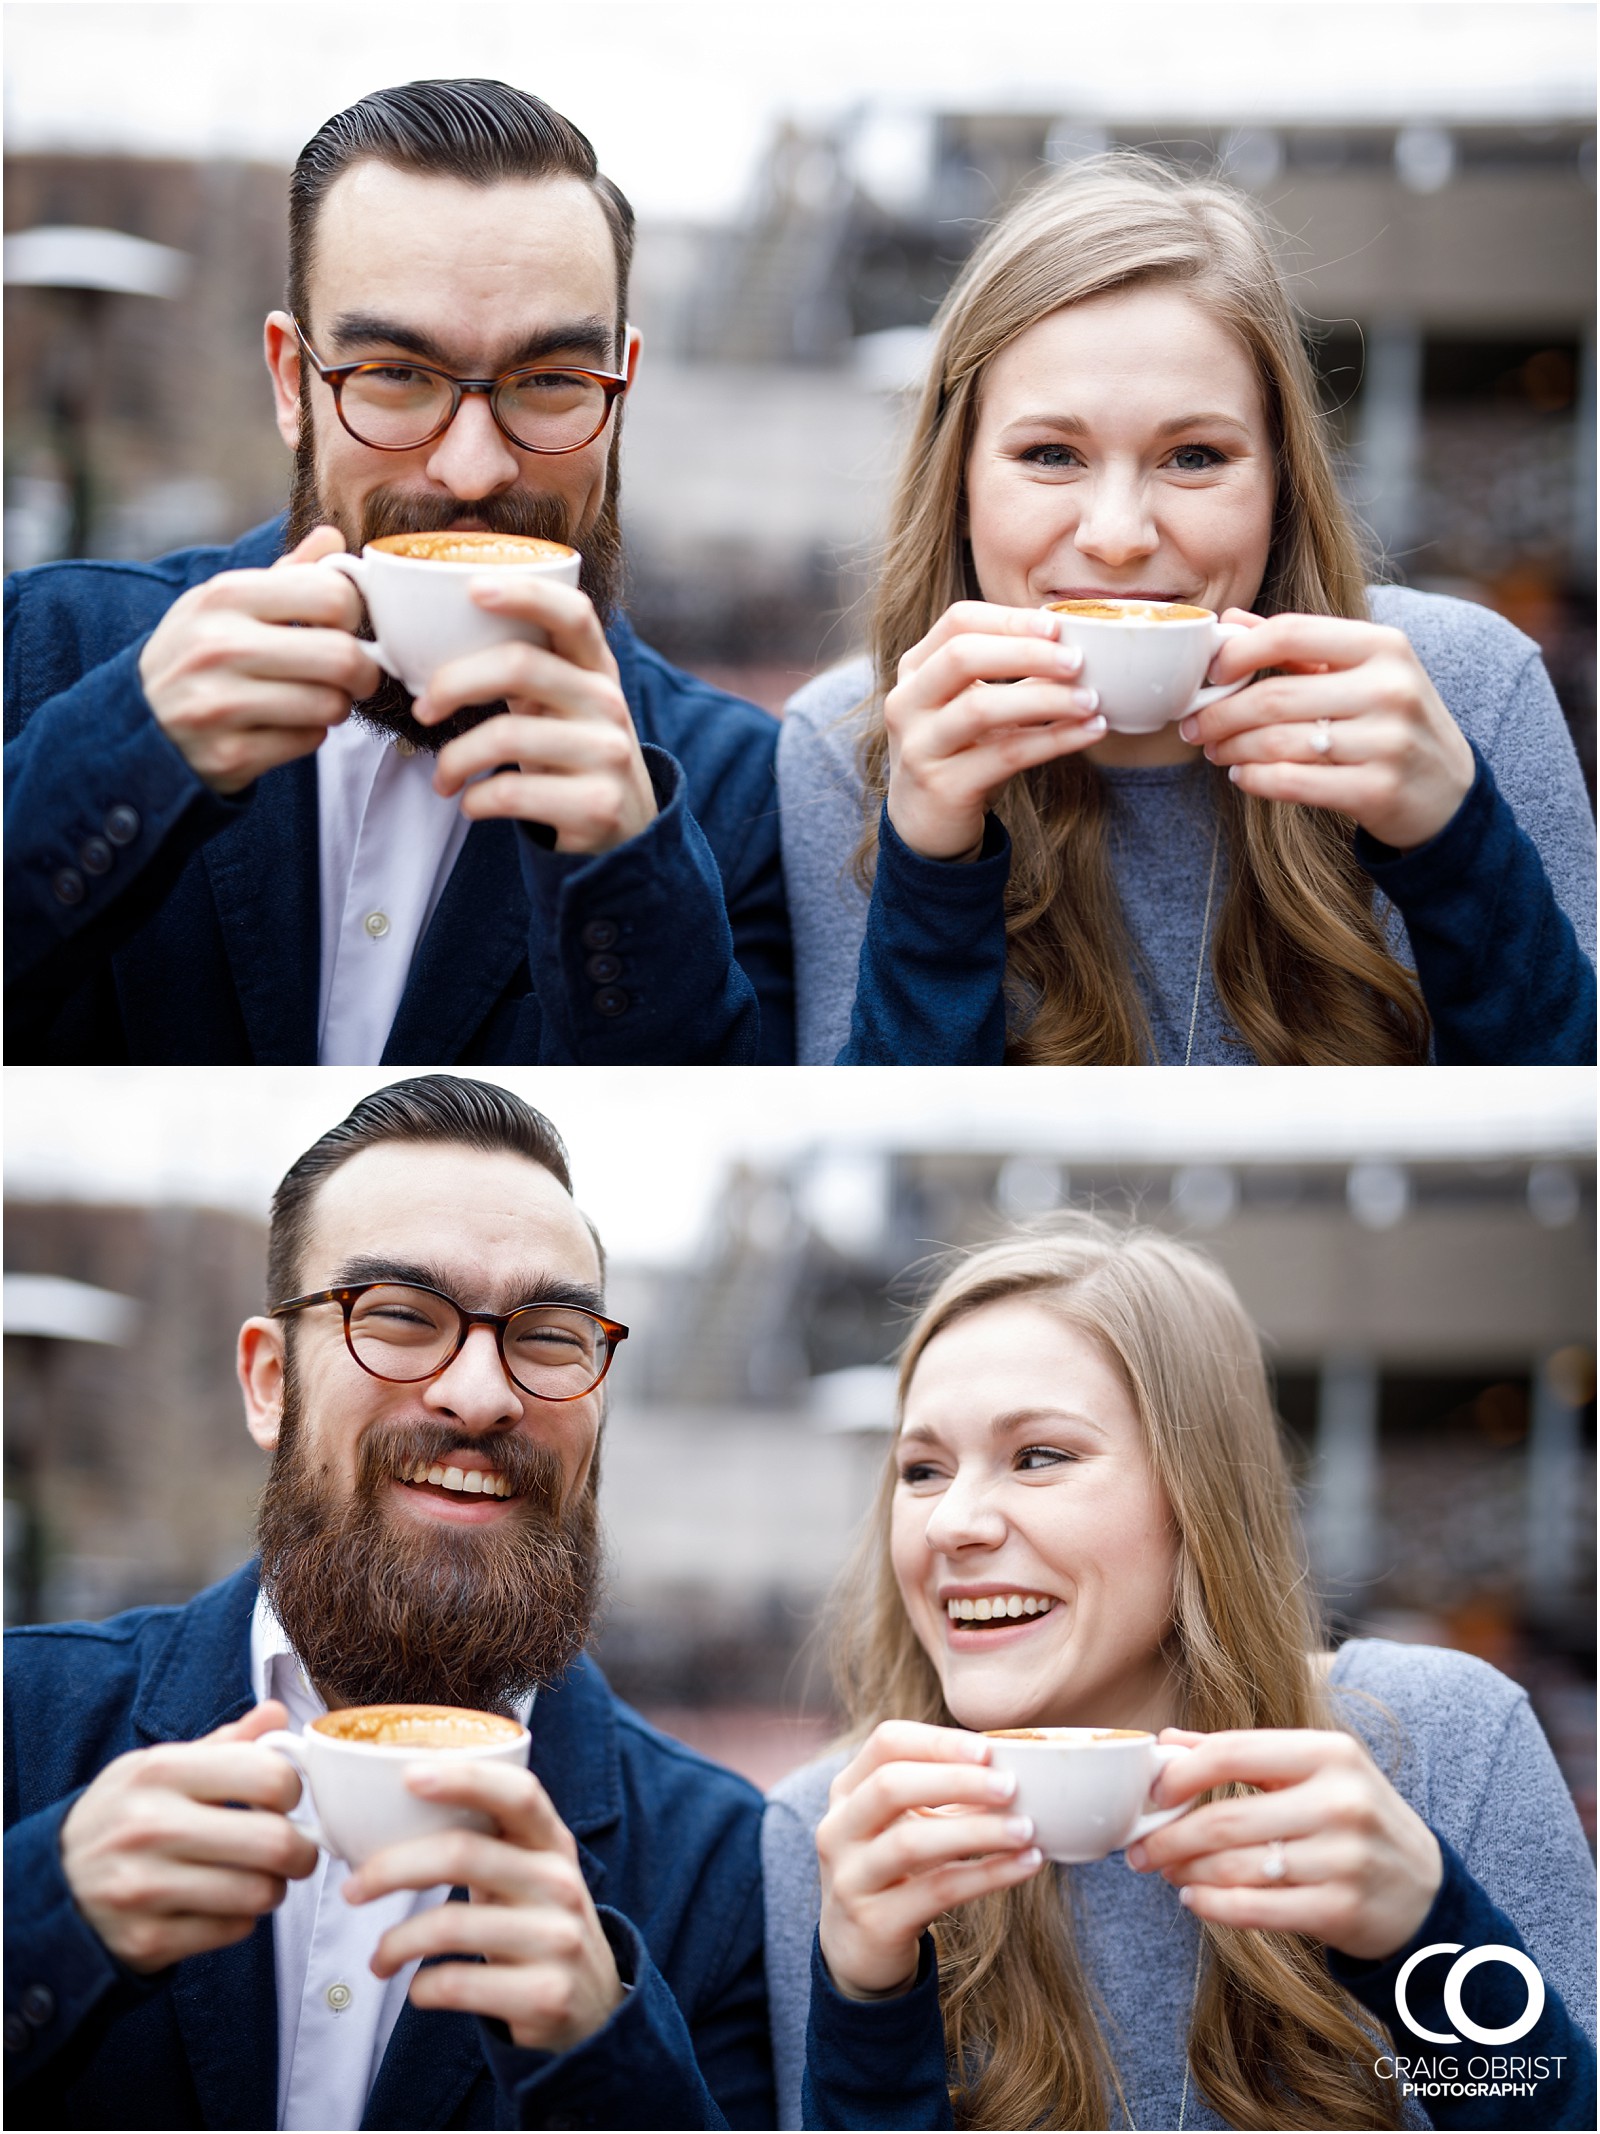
393, 406
406, 1334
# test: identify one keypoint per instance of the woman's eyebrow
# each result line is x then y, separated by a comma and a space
1032, 1418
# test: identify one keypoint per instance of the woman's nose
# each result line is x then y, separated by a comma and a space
965, 1516
1116, 525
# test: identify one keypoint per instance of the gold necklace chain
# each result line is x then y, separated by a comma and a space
1205, 936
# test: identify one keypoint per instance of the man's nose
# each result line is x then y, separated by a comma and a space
1116, 525
473, 457
474, 1388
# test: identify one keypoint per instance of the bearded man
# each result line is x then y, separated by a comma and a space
557, 854
429, 1381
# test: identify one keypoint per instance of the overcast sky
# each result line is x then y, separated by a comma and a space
680, 96
651, 1146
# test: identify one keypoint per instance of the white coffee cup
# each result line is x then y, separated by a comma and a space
1147, 658
420, 604
354, 1764
1085, 1789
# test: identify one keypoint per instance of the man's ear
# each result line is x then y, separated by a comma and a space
281, 346
630, 354
260, 1365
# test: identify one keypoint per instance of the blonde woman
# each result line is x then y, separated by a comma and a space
1379, 851
1085, 1428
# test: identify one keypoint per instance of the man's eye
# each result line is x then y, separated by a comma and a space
1196, 459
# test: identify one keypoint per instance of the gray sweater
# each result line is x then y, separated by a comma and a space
1468, 1755
1162, 825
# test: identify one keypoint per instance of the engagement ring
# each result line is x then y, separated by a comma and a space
1274, 1868
1321, 737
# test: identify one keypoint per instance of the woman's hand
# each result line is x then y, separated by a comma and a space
1327, 1847
1353, 724
987, 693
887, 1873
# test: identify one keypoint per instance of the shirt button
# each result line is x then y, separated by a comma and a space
611, 1000
376, 924
604, 970
599, 933
122, 824
68, 885
95, 856
339, 1998
403, 747
38, 2005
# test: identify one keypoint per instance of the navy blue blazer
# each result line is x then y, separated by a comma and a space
150, 919
668, 1844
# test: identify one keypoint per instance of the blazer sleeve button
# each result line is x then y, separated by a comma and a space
122, 824
599, 934
68, 885
95, 856
604, 970
611, 1000
17, 2034
38, 2005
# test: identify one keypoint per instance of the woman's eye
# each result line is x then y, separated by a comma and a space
1050, 456
917, 1471
1196, 459
1036, 1457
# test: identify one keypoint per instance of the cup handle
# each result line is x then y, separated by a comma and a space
351, 567
1154, 1818
287, 1745
1201, 697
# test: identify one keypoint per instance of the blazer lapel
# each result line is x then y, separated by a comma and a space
464, 962
226, 2004
263, 875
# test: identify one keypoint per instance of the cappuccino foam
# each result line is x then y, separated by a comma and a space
482, 549
417, 1726
1131, 610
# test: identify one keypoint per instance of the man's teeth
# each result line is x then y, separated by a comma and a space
993, 1606
470, 1482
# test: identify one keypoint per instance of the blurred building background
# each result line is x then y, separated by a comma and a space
1444, 250
1429, 1310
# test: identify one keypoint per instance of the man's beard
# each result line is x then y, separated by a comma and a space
514, 511
383, 1609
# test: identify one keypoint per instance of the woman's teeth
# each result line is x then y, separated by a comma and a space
469, 1482
998, 1607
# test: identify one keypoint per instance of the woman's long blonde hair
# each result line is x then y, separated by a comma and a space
1299, 958
1273, 2042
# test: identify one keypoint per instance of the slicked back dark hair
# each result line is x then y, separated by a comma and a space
429, 1107
479, 131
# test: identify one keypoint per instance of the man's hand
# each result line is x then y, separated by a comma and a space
566, 730
548, 1972
161, 1869
234, 688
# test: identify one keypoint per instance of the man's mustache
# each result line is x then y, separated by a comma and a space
389, 1453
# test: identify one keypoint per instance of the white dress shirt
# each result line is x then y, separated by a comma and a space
334, 2016
386, 842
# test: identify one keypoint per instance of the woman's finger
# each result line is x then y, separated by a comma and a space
889, 1793
988, 709
902, 1912
1335, 744
1256, 1756
1291, 699
909, 1741
980, 618
1312, 640
917, 1843
966, 660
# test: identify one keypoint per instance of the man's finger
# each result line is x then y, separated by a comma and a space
312, 547
562, 610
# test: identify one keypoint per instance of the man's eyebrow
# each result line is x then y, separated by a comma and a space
591, 337
513, 1291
